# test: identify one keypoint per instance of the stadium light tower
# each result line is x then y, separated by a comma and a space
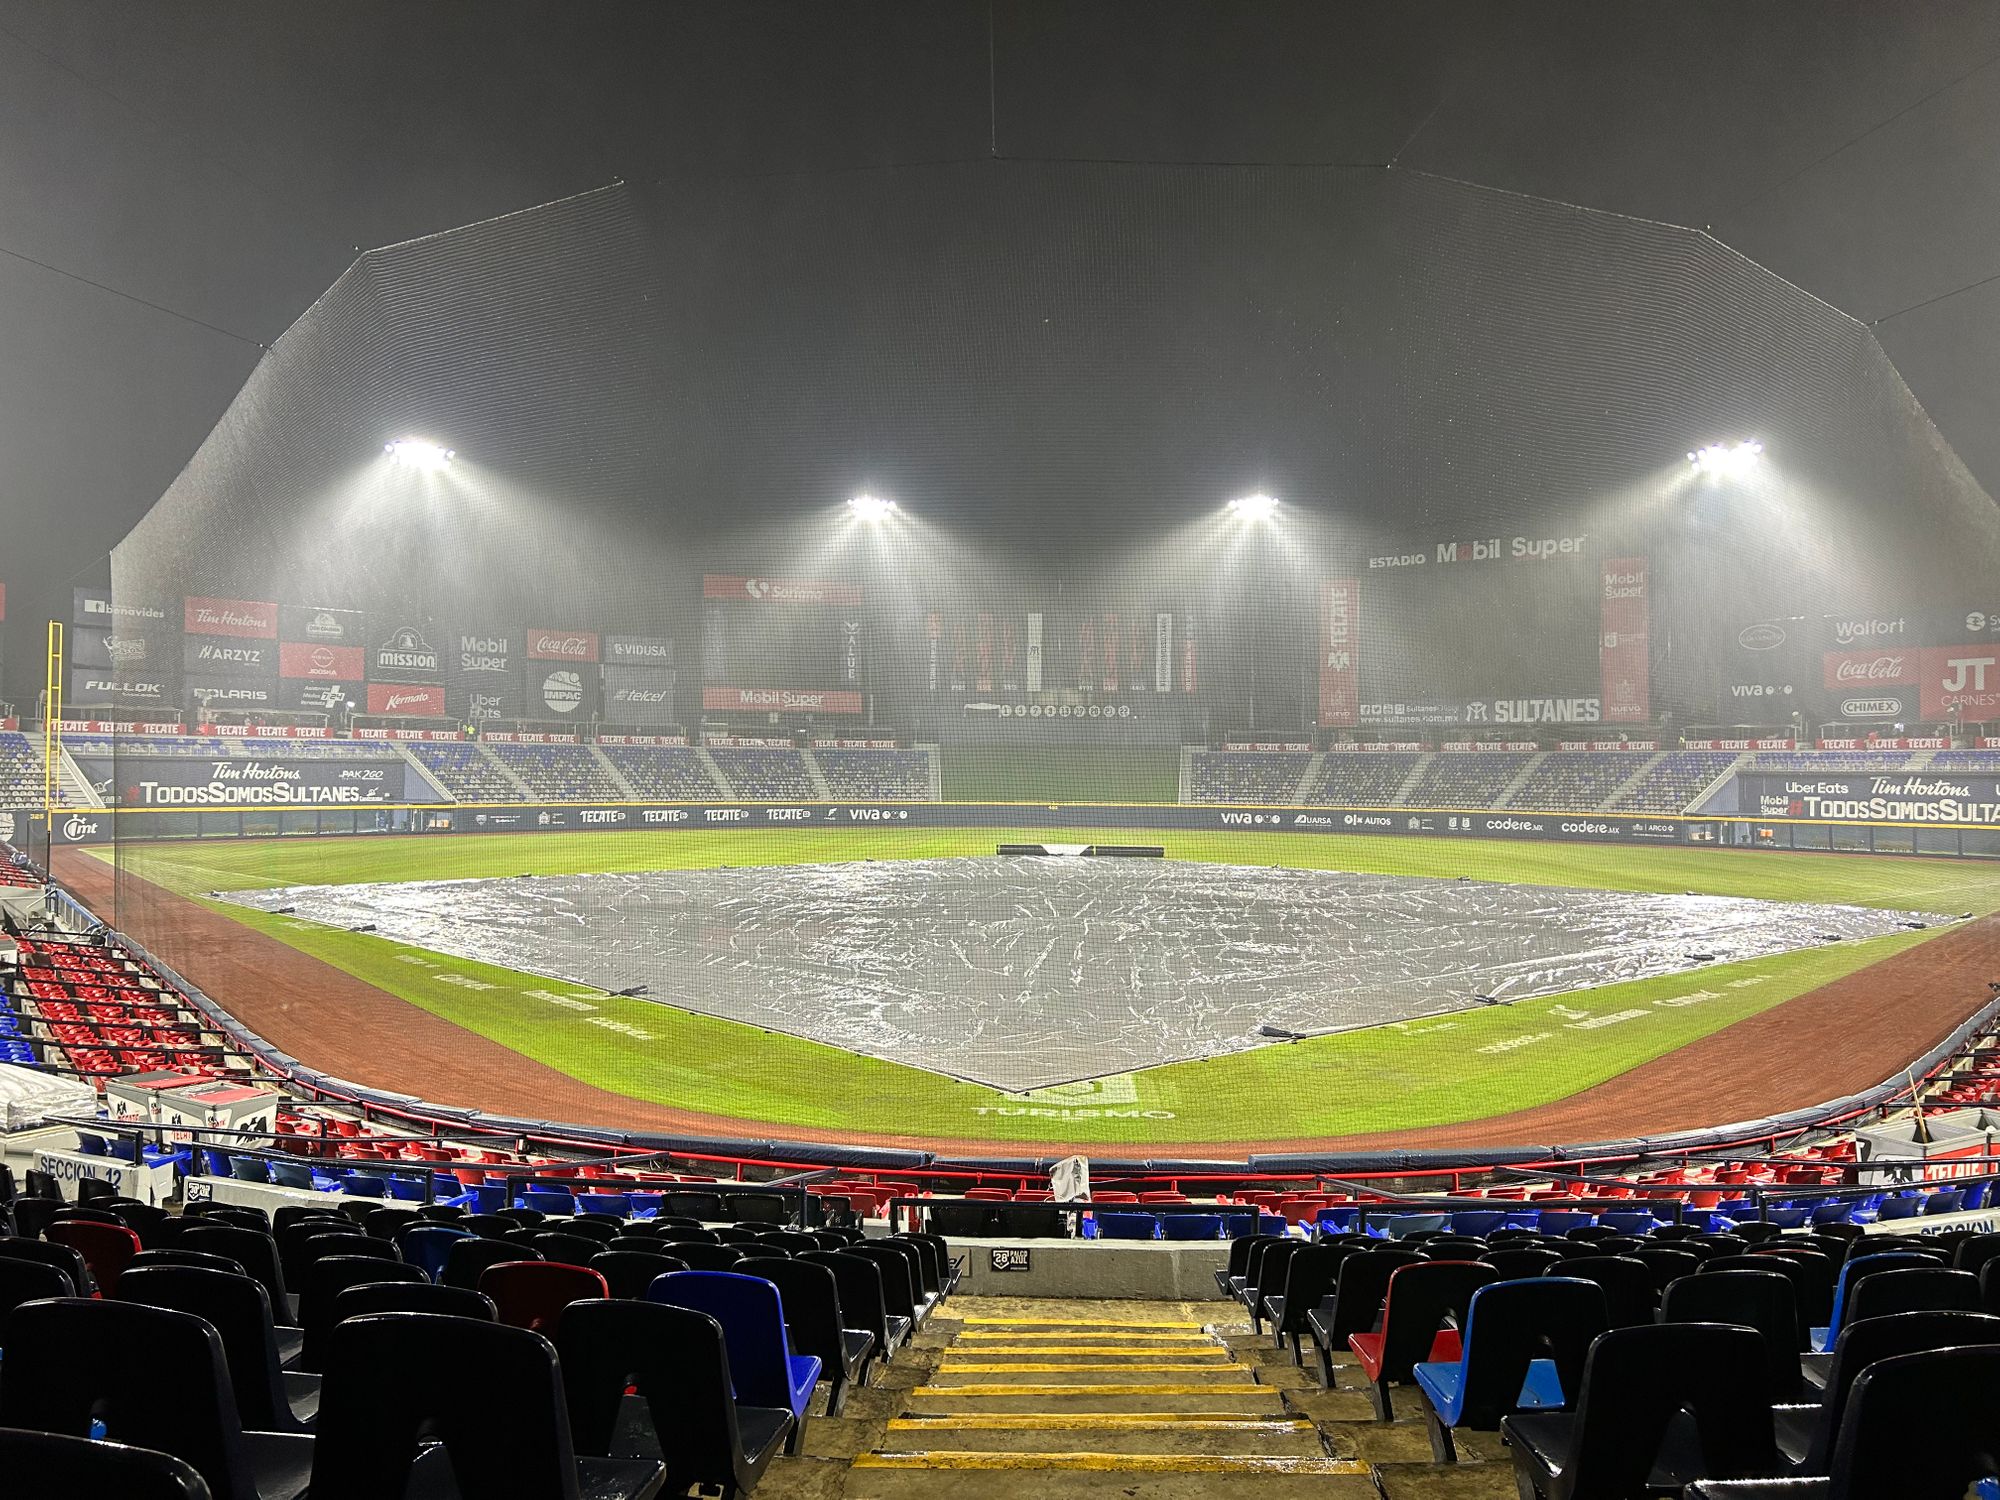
1257, 507
872, 507
418, 453
1726, 459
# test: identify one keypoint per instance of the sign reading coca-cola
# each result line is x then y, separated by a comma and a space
778, 700
424, 700
1843, 671
240, 617
562, 645
778, 590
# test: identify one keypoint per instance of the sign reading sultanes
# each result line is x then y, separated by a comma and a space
232, 781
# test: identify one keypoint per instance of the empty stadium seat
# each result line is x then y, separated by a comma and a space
766, 1370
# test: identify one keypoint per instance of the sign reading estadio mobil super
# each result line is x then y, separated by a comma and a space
253, 618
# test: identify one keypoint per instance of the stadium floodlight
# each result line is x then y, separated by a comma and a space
419, 454
1719, 458
871, 507
1257, 507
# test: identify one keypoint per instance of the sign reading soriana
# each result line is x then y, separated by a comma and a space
778, 700
778, 590
416, 699
240, 617
562, 645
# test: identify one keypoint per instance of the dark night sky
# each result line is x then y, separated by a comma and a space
178, 184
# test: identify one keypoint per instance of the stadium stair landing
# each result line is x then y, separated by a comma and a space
1018, 1399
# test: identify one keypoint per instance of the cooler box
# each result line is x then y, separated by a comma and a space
210, 1105
136, 1098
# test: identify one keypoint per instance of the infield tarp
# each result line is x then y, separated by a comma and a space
1021, 974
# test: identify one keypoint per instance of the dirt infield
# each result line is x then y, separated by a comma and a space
1840, 1038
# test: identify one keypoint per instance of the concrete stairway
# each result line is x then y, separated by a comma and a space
1138, 1405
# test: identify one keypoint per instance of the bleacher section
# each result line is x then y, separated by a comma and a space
1247, 776
761, 772
1466, 778
890, 775
1673, 781
1355, 779
561, 773
20, 771
673, 773
1966, 760
1574, 780
465, 772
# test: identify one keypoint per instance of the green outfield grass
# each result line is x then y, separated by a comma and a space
1079, 773
1413, 1074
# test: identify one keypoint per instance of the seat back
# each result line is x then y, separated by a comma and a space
1665, 1264
173, 1255
898, 1291
859, 1282
532, 1294
1920, 1427
1311, 1273
753, 1323
1763, 1300
810, 1298
1273, 1264
49, 1463
1636, 1379
1518, 1262
1913, 1289
703, 1257
567, 1249
1420, 1301
411, 1296
1510, 1324
1360, 1286
468, 1260
629, 1272
1974, 1251
678, 1358
1865, 1341
323, 1280
1628, 1286
64, 1258
1859, 1267
965, 1220
59, 1378
253, 1249
29, 1281
239, 1311
491, 1394
427, 1245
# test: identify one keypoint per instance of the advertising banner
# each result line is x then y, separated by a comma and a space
560, 691
778, 700
638, 651
484, 681
248, 781
235, 657
850, 651
1624, 653
638, 695
321, 626
89, 646
306, 695
403, 652
94, 606
1163, 652
561, 645
129, 689
1766, 669
1034, 674
1959, 682
1339, 660
1862, 706
250, 618
414, 699
211, 692
1888, 797
778, 590
317, 662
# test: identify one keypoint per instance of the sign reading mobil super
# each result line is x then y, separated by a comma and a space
1937, 797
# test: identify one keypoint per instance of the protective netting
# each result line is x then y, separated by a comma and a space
639, 576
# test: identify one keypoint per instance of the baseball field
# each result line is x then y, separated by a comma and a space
1690, 1046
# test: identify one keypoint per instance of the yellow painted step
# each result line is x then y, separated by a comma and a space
1127, 1463
1247, 1388
1140, 1351
1064, 1421
1021, 1335
1015, 1368
1068, 1323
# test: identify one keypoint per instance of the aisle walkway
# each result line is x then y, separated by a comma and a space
1015, 1399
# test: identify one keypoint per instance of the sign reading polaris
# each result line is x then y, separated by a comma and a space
247, 781
1895, 797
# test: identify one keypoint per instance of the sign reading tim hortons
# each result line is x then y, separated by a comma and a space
239, 617
562, 645
404, 653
